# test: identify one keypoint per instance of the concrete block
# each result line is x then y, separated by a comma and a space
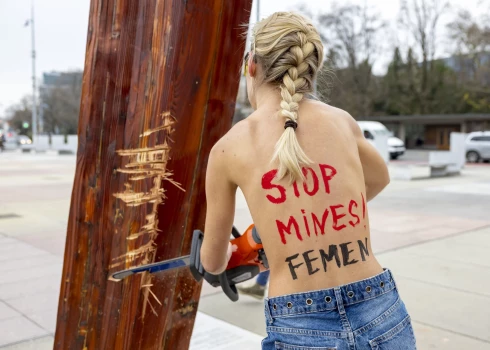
458, 147
451, 162
439, 170
66, 151
381, 144
57, 141
52, 152
410, 172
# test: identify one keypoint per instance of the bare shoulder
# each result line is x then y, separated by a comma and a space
335, 112
349, 120
240, 132
230, 146
336, 115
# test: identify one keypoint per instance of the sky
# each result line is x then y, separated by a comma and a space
61, 31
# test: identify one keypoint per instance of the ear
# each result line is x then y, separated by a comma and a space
252, 66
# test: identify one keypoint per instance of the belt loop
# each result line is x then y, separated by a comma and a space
393, 280
343, 317
340, 301
267, 311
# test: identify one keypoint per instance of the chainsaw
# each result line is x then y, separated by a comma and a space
246, 262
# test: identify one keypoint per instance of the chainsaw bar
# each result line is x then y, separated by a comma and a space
166, 265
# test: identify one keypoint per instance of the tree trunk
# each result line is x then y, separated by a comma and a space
159, 89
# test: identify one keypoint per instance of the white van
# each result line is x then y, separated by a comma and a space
396, 147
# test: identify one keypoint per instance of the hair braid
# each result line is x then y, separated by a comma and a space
288, 151
290, 50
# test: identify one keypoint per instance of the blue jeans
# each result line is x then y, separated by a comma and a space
263, 278
364, 315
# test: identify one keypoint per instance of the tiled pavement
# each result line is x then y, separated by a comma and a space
34, 197
444, 281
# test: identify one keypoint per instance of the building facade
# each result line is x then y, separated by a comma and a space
432, 131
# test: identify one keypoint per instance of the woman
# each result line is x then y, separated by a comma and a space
306, 172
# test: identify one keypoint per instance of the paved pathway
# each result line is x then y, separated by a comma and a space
433, 234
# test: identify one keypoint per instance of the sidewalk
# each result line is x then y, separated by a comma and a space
433, 234
445, 285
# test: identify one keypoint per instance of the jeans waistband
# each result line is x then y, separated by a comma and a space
323, 300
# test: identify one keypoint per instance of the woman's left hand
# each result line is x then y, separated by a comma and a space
231, 248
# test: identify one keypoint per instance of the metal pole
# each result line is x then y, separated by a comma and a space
258, 11
34, 101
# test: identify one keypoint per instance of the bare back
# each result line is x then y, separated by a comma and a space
315, 234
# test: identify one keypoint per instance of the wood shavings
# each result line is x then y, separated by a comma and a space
147, 163
152, 308
154, 296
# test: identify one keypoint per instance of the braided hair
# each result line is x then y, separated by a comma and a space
290, 51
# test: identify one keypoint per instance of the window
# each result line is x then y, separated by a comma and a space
381, 132
368, 135
481, 139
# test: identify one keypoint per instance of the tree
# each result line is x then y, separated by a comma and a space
396, 86
471, 40
19, 114
421, 19
352, 33
469, 35
403, 78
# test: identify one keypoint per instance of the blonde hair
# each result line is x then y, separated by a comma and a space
290, 51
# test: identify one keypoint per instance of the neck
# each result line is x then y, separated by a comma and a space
267, 95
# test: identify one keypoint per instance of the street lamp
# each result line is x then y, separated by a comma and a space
33, 55
34, 102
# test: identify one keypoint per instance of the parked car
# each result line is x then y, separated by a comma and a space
10, 140
396, 147
24, 140
478, 146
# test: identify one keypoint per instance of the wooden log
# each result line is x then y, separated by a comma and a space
159, 89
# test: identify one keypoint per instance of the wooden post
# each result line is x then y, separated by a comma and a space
159, 89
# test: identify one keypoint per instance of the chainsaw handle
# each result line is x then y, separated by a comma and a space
235, 232
229, 289
196, 267
221, 280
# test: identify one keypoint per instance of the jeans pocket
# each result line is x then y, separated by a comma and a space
400, 337
283, 346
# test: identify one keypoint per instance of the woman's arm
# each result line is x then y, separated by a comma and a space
220, 199
376, 175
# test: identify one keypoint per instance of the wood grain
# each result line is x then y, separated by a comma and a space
144, 58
